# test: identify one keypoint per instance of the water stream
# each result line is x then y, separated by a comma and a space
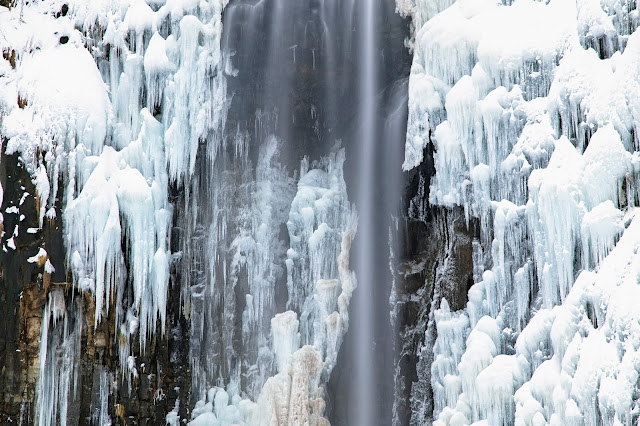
368, 202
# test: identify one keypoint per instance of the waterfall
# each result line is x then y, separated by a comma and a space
368, 203
273, 47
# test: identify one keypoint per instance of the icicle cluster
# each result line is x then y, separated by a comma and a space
61, 335
134, 90
115, 146
301, 343
532, 110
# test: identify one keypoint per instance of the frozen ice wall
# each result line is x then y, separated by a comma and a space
531, 108
288, 365
127, 136
128, 94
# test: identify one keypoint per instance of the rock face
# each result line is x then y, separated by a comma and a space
22, 290
25, 290
434, 262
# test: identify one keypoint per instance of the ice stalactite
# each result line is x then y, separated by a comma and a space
534, 134
122, 195
321, 225
61, 335
100, 403
302, 343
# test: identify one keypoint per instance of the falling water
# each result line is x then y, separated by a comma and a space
314, 75
377, 189
366, 200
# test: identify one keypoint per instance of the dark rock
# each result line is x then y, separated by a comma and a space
63, 11
21, 296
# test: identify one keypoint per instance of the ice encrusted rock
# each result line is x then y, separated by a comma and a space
532, 110
303, 341
108, 144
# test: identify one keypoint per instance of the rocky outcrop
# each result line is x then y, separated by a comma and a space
435, 262
25, 288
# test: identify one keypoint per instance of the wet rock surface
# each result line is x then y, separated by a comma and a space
22, 295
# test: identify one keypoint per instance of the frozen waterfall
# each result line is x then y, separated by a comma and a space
313, 212
531, 110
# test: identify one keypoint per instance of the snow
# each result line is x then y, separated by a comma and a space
39, 257
595, 362
500, 45
497, 384
579, 183
66, 103
424, 95
139, 17
600, 228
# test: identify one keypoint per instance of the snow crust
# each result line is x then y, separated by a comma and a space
531, 108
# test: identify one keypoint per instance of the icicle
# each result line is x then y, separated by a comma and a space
57, 383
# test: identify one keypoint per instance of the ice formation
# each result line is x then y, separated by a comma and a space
302, 343
133, 92
106, 145
532, 111
59, 355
